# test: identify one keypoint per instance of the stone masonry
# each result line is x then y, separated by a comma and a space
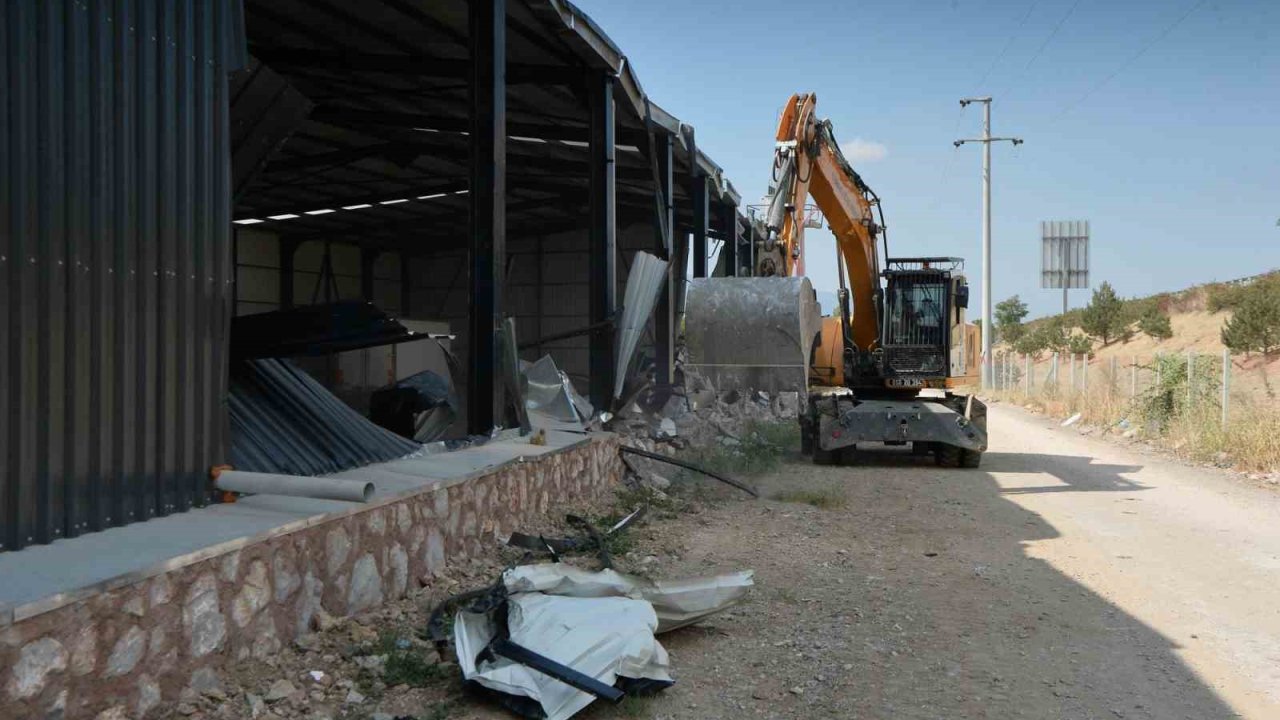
130, 652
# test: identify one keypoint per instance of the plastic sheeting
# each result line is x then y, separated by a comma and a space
648, 275
600, 623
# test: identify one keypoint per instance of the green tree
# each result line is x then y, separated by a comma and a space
1104, 316
1031, 343
1255, 323
1079, 345
1009, 315
1051, 335
1155, 324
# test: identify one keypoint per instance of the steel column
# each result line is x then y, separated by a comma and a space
406, 283
664, 225
602, 237
729, 216
698, 196
368, 256
488, 155
288, 249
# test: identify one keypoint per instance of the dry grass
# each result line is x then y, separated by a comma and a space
1250, 441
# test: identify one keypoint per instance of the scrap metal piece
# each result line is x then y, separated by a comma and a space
677, 603
558, 546
644, 282
550, 398
547, 666
603, 638
690, 466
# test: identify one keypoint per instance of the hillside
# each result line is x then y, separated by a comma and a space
1196, 316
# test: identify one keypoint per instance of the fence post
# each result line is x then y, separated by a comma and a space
1026, 372
1073, 373
1054, 370
1133, 377
1084, 372
1159, 367
1191, 376
1226, 384
1111, 381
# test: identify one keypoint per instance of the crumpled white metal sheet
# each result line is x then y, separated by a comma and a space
601, 637
600, 623
676, 602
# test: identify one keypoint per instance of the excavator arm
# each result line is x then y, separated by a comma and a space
808, 163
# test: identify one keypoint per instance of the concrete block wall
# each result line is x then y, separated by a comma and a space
130, 651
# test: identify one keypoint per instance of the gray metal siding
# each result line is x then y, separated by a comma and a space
115, 260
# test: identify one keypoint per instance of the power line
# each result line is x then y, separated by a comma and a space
1007, 44
1040, 50
1132, 59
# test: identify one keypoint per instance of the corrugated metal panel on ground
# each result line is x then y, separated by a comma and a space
284, 421
114, 260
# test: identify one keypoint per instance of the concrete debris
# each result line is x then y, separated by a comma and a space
695, 413
1072, 420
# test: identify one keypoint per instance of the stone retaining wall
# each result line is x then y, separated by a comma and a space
130, 652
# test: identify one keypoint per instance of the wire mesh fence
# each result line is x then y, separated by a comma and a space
1158, 387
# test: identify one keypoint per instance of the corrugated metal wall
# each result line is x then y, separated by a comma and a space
115, 260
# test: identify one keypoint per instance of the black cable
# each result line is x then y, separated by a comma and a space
690, 466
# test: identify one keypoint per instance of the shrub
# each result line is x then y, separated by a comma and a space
1031, 343
1222, 296
1255, 323
1079, 345
1155, 324
1170, 398
1052, 335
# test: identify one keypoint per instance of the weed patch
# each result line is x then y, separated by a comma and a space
824, 499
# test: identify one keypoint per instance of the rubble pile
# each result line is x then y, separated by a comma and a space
695, 414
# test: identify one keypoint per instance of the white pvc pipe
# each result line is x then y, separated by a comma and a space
318, 488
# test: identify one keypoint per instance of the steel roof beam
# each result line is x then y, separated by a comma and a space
423, 66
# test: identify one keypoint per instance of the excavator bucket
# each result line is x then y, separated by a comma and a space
751, 333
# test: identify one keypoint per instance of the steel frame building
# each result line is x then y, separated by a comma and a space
165, 164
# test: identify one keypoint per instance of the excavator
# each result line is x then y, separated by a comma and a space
885, 366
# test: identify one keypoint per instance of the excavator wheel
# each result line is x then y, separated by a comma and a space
948, 455
824, 457
848, 455
970, 458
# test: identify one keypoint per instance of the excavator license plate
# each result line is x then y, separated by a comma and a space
899, 382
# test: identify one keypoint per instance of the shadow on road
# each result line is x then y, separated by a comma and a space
921, 597
1078, 473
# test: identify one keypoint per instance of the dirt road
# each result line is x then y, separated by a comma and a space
1068, 578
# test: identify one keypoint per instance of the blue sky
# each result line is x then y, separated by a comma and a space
1175, 160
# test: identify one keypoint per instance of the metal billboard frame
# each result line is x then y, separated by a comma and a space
1064, 256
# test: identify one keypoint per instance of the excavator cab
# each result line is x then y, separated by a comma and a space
924, 303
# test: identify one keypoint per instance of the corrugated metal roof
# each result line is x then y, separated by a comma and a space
284, 421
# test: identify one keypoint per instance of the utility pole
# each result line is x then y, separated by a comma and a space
986, 140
